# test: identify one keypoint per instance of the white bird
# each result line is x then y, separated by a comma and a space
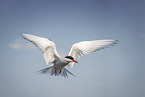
51, 56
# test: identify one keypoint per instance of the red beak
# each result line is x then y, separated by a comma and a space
75, 61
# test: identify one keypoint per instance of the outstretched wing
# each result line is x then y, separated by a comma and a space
46, 46
87, 47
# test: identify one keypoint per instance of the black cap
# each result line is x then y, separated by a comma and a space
69, 57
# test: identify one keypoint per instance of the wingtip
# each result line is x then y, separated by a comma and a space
116, 40
22, 34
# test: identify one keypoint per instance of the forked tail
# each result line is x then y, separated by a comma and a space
55, 71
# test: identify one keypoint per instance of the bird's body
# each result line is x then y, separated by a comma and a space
51, 56
60, 63
57, 68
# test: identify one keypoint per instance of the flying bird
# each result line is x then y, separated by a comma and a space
77, 50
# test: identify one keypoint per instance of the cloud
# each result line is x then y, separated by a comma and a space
19, 44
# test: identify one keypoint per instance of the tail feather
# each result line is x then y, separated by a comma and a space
55, 71
69, 72
45, 70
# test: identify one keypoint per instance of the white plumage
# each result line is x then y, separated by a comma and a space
87, 47
46, 46
78, 49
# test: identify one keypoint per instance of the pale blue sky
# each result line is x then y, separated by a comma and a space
117, 71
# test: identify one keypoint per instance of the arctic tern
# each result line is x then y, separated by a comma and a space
51, 56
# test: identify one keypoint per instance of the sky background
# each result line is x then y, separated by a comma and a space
118, 71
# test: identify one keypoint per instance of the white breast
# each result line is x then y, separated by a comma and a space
61, 63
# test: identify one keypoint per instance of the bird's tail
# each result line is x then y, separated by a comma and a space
55, 71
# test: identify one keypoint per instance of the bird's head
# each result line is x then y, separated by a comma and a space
70, 59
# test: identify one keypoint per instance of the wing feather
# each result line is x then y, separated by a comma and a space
87, 47
46, 46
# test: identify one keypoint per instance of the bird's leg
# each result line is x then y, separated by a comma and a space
60, 71
55, 69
